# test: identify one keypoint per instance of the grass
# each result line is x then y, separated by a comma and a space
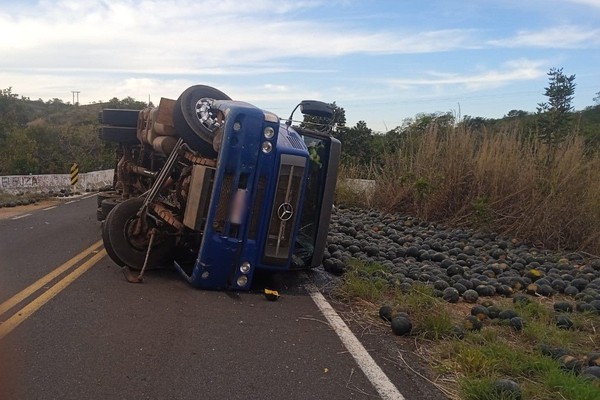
364, 281
476, 361
499, 181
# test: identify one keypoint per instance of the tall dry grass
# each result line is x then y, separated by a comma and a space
496, 181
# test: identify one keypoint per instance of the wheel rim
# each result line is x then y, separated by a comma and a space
205, 115
137, 240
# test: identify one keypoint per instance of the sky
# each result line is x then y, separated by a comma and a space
382, 61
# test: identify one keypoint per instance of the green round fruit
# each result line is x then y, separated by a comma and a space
564, 322
472, 323
508, 389
517, 323
385, 313
401, 325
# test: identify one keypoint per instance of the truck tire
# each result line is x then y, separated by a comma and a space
106, 241
130, 248
99, 214
108, 204
187, 123
117, 117
110, 194
119, 134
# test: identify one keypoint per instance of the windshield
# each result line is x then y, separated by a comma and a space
313, 196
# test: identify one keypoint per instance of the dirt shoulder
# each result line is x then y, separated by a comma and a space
9, 212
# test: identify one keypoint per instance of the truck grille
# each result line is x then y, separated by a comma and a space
295, 141
285, 209
222, 211
255, 213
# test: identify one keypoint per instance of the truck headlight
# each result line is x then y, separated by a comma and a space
242, 280
245, 267
267, 147
269, 132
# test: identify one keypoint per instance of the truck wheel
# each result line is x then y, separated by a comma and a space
129, 242
111, 194
119, 134
188, 124
106, 241
119, 117
108, 204
99, 214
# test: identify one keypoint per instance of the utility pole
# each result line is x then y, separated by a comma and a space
75, 92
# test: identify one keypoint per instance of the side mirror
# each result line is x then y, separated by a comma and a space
316, 109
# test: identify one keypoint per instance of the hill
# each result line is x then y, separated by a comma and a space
38, 137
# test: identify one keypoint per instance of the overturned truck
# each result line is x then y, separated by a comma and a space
218, 188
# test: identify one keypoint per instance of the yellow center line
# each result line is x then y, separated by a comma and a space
7, 326
28, 291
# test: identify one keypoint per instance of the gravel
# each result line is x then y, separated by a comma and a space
458, 263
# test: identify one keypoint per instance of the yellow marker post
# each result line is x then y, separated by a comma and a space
74, 176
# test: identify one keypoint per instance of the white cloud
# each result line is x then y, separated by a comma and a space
591, 3
163, 36
139, 47
276, 88
517, 70
568, 36
275, 97
96, 88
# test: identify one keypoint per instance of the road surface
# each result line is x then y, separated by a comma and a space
73, 328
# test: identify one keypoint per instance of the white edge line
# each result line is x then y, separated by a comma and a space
87, 197
72, 201
48, 208
20, 216
373, 372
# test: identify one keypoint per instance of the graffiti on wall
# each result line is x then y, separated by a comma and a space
44, 183
21, 181
33, 181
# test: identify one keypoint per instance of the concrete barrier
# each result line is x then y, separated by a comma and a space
14, 184
362, 185
363, 189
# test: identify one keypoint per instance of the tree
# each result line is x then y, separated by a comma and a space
597, 98
554, 116
12, 112
18, 157
474, 123
516, 114
126, 103
357, 143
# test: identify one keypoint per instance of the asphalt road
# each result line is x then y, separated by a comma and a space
89, 334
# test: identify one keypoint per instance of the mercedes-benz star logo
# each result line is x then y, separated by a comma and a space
285, 211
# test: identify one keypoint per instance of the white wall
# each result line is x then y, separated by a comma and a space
44, 183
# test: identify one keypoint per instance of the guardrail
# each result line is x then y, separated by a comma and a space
14, 184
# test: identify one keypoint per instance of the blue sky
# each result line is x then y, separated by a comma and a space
383, 61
